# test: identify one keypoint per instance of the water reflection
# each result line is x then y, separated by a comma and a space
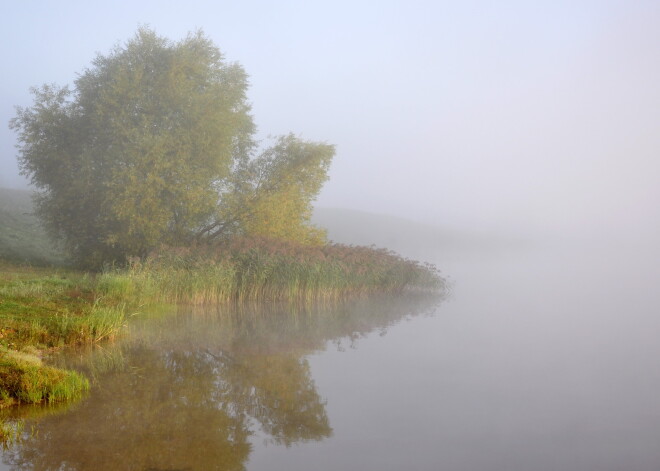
187, 391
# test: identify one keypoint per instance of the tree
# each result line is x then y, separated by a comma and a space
148, 149
272, 194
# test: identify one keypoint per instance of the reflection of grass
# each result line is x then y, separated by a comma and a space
13, 419
10, 432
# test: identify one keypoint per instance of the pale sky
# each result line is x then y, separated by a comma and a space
513, 115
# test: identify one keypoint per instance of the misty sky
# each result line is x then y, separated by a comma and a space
513, 115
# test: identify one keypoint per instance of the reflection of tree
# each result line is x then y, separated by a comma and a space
160, 412
278, 392
186, 392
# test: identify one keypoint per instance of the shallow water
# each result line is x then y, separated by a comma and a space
544, 357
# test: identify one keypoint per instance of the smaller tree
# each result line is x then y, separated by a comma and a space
272, 194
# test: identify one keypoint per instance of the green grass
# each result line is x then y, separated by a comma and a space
50, 308
24, 379
42, 309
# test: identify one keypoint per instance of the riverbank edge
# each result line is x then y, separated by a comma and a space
44, 309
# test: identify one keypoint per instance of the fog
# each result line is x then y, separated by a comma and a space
514, 144
515, 117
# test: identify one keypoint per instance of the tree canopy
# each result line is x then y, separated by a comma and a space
155, 145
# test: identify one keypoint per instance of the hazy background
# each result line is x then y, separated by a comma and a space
514, 116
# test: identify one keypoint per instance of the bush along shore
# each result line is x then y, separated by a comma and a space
43, 309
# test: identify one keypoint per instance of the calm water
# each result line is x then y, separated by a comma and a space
543, 358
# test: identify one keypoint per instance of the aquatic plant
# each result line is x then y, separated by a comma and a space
258, 268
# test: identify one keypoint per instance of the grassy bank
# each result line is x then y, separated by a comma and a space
46, 308
24, 379
42, 309
49, 308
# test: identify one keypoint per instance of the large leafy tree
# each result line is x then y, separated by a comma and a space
149, 148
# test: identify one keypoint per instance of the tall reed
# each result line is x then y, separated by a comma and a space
248, 269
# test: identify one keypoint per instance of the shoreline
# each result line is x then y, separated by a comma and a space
44, 309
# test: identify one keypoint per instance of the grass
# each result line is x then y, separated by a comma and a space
44, 306
41, 309
50, 308
260, 269
10, 432
24, 379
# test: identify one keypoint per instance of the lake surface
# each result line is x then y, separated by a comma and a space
544, 357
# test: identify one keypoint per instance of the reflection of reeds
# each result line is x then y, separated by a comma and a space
265, 269
10, 432
13, 419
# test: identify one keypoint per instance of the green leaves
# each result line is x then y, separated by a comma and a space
154, 145
273, 193
130, 158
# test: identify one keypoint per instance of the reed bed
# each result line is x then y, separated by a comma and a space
261, 269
